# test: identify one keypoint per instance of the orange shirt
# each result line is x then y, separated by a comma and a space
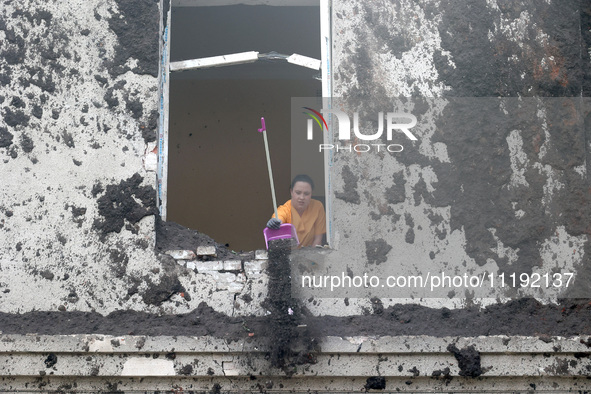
310, 224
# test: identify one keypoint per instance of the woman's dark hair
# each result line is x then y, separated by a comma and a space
302, 178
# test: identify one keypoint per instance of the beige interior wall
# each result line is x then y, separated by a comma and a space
218, 181
306, 157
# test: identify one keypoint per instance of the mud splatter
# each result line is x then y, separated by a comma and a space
376, 251
485, 67
443, 374
110, 98
375, 383
27, 143
349, 193
186, 370
118, 262
5, 138
468, 360
68, 139
17, 102
97, 189
16, 118
137, 28
37, 111
46, 274
51, 360
396, 193
149, 130
42, 79
125, 201
135, 107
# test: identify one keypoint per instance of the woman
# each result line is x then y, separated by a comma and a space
304, 213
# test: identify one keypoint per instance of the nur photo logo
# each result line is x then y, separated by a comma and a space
395, 122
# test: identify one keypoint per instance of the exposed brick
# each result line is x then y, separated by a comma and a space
255, 267
235, 287
261, 254
206, 251
223, 280
230, 369
181, 254
233, 265
151, 158
208, 265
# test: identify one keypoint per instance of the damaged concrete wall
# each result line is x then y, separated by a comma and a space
497, 180
78, 217
78, 223
77, 135
79, 111
79, 103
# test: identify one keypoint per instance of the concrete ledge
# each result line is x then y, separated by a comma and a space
406, 363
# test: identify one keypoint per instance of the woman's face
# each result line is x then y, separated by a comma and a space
301, 194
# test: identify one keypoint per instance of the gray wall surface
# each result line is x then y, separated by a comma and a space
497, 181
79, 108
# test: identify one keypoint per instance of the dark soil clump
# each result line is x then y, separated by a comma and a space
135, 107
119, 204
137, 32
173, 236
376, 251
375, 383
15, 118
279, 302
349, 194
27, 143
150, 129
51, 360
468, 360
5, 138
525, 317
156, 294
285, 313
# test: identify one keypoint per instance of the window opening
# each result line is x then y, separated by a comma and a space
239, 63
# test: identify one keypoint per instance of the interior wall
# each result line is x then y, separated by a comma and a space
218, 177
306, 157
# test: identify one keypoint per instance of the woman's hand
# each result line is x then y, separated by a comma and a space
274, 223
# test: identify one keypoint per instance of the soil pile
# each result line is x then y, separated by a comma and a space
285, 331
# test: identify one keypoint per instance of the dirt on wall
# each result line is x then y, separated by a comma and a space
173, 236
126, 201
519, 317
484, 65
478, 63
526, 317
486, 72
137, 31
